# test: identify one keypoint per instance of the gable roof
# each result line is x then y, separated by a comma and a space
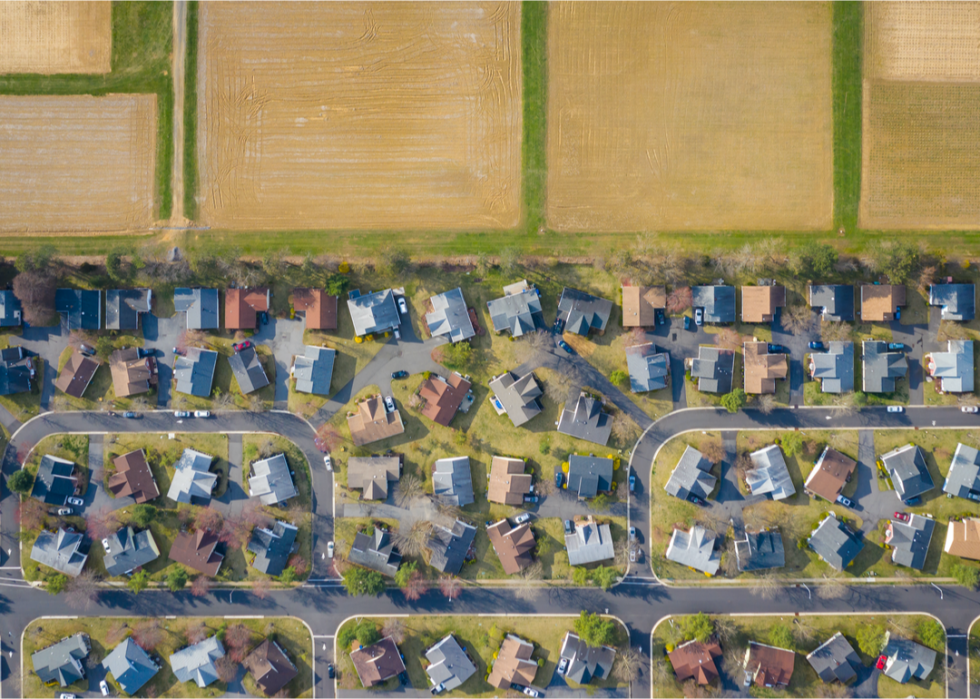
513, 546
589, 542
376, 551
62, 662
964, 472
54, 482
909, 471
583, 312
586, 420
192, 477
649, 369
760, 550
377, 662
450, 546
759, 303
133, 477
371, 422
835, 659
82, 308
963, 538
713, 368
958, 301
372, 473
718, 303
270, 667
588, 475
373, 313
770, 474
443, 397
130, 666
124, 306
830, 474
910, 540
696, 661
449, 316
15, 371
197, 662
10, 309
242, 307
448, 664
313, 370
248, 370
762, 368
271, 481
319, 308
879, 301
59, 550
196, 550
129, 550
907, 659
517, 397
585, 661
272, 547
835, 543
452, 480
692, 474
954, 367
77, 374
518, 311
881, 367
194, 371
835, 301
508, 483
640, 305
768, 665
200, 305
694, 548
131, 373
834, 369
513, 663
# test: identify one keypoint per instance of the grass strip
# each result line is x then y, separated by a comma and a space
190, 115
534, 50
847, 89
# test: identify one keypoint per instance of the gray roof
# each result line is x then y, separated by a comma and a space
649, 369
835, 367
692, 474
955, 366
192, 477
835, 659
197, 662
54, 483
585, 661
760, 550
713, 368
835, 543
129, 550
964, 472
907, 659
272, 547
449, 664
882, 367
836, 301
520, 313
518, 396
374, 313
958, 301
583, 312
449, 316
10, 309
59, 550
589, 543
130, 666
718, 302
314, 370
449, 546
588, 475
770, 474
82, 308
248, 370
123, 307
201, 306
15, 372
694, 548
909, 471
271, 481
911, 541
452, 481
62, 662
586, 420
194, 371
376, 551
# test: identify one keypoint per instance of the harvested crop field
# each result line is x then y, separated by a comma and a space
354, 115
55, 37
77, 163
689, 116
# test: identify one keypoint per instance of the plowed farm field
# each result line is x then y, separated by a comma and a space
55, 37
689, 116
359, 115
77, 163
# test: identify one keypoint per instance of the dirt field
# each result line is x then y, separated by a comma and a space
55, 37
351, 115
689, 115
77, 163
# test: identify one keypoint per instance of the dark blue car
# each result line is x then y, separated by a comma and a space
817, 346
565, 346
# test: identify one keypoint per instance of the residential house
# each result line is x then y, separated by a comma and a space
55, 481
508, 484
963, 479
123, 307
963, 538
200, 305
271, 481
133, 478
242, 307
695, 660
763, 368
769, 474
192, 477
317, 307
910, 540
449, 666
196, 550
695, 549
130, 666
450, 547
589, 542
81, 308
649, 369
768, 666
589, 475
760, 550
16, 371
835, 542
513, 545
197, 662
909, 472
376, 551
442, 397
373, 313
128, 550
248, 370
519, 311
377, 662
953, 369
59, 550
372, 423
449, 316
62, 662
834, 369
585, 420
716, 302
313, 370
691, 476
272, 547
270, 667
517, 397
371, 475
835, 659
580, 312
194, 371
835, 301
881, 367
906, 659
713, 368
513, 664
132, 373
585, 661
830, 474
957, 301
77, 374
880, 303
640, 305
760, 303
10, 309
452, 481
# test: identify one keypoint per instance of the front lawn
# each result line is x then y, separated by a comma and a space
73, 447
24, 406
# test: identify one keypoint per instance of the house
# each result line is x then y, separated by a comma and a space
759, 303
449, 316
716, 302
957, 301
62, 662
580, 312
373, 313
195, 550
508, 484
271, 481
830, 474
910, 540
130, 666
271, 668
696, 661
449, 666
649, 369
963, 479
128, 550
132, 373
763, 368
835, 659
133, 478
372, 422
513, 546
10, 309
713, 368
906, 659
375, 551
585, 420
953, 369
760, 550
123, 307
377, 662
248, 370
519, 311
197, 662
81, 308
908, 470
695, 549
452, 481
585, 661
16, 368
691, 476
313, 370
517, 397
963, 538
835, 301
768, 666
835, 542
834, 369
192, 477
640, 305
880, 303
317, 307
589, 475
442, 397
55, 481
589, 542
372, 474
77, 374
272, 547
450, 547
770, 474
200, 305
242, 307
194, 371
59, 550
881, 367
513, 664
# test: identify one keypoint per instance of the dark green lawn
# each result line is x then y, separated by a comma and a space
848, 44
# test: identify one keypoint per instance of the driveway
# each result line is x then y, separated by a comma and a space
915, 338
230, 504
48, 344
285, 338
422, 509
160, 336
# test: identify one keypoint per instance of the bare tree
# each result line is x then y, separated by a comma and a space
679, 300
661, 674
803, 629
713, 450
262, 587
729, 561
394, 627
843, 439
413, 541
32, 514
101, 523
447, 508
623, 427
328, 437
82, 590
765, 586
200, 586
417, 586
527, 580
35, 290
117, 632
842, 405
209, 519
726, 630
766, 403
832, 588
729, 339
196, 632
148, 634
224, 401
834, 690
535, 342
408, 489
450, 586
138, 403
948, 330
732, 658
227, 669
558, 387
797, 319
627, 665
954, 671
238, 639
835, 331
235, 531
254, 403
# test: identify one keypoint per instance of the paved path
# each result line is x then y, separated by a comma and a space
285, 338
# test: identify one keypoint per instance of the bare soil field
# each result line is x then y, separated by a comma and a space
55, 37
77, 163
364, 116
689, 116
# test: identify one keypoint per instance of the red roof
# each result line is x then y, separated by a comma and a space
242, 306
443, 399
318, 306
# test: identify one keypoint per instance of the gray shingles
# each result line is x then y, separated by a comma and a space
194, 371
910, 541
124, 306
589, 543
59, 550
909, 471
834, 368
201, 306
964, 472
954, 367
374, 313
272, 547
129, 550
518, 312
713, 368
585, 661
449, 546
718, 302
835, 543
376, 551
691, 475
313, 370
192, 477
518, 396
589, 475
583, 312
271, 481
54, 483
882, 367
449, 664
649, 369
835, 659
62, 662
130, 666
248, 370
586, 420
10, 309
197, 662
449, 316
835, 301
907, 659
452, 480
760, 550
694, 548
769, 474
82, 308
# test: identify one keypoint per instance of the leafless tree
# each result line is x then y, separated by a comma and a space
254, 515
765, 586
948, 330
527, 581
394, 627
450, 586
627, 665
954, 671
412, 542
138, 403
832, 588
201, 586
725, 630
118, 631
835, 331
148, 634
35, 290
255, 403
238, 638
661, 674
623, 427
842, 440
729, 339
803, 629
797, 319
224, 401
82, 590
329, 437
842, 405
732, 658
712, 450
209, 519
417, 586
834, 690
262, 587
447, 508
196, 632
235, 531
766, 403
32, 514
408, 489
729, 561
558, 387
101, 523
227, 669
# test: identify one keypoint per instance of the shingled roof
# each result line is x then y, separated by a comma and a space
123, 307
197, 662
696, 661
908, 470
586, 420
371, 474
759, 303
760, 550
200, 305
452, 480
449, 316
694, 548
449, 665
373, 313
272, 547
271, 668
769, 474
963, 538
589, 475
377, 662
718, 303
508, 483
585, 661
313, 370
519, 311
55, 481
513, 663
879, 302
376, 551
271, 481
450, 546
512, 545
882, 367
443, 397
910, 540
77, 374
830, 474
131, 373
583, 312
194, 371
907, 659
59, 550
649, 369
133, 477
835, 301
640, 305
130, 666
319, 308
762, 368
964, 472
957, 301
834, 369
10, 309
242, 307
517, 396
81, 308
196, 550
953, 369
713, 368
371, 422
62, 662
248, 370
835, 543
129, 550
835, 659
589, 542
691, 475
769, 666
192, 477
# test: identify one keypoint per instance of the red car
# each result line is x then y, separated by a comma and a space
241, 346
902, 516
882, 659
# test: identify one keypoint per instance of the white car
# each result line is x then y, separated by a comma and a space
181, 413
969, 409
389, 404
402, 306
77, 502
64, 511
67, 696
532, 692
202, 413
522, 518
328, 462
398, 334
896, 409
329, 549
105, 545
104, 686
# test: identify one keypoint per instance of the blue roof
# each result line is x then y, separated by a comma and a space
130, 666
958, 301
194, 371
718, 302
10, 310
201, 306
82, 308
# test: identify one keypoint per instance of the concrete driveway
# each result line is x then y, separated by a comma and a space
160, 336
285, 338
48, 344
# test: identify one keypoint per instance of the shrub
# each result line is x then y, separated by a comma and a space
143, 514
967, 576
870, 639
734, 401
20, 482
595, 630
176, 579
697, 626
359, 581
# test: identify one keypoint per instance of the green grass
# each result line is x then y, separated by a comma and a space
71, 447
255, 446
24, 406
847, 88
534, 46
190, 115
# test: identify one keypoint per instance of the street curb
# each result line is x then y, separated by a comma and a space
969, 630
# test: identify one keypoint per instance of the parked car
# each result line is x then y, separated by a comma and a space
776, 349
331, 673
565, 346
559, 327
699, 316
563, 666
77, 502
531, 498
132, 416
30, 367
402, 306
523, 517
244, 345
896, 409
687, 322
898, 314
532, 692
105, 545
660, 316
389, 404
559, 479
817, 346
63, 695
438, 688
632, 482
86, 349
398, 334
569, 526
264, 317
632, 533
181, 413
329, 549
973, 495
913, 501
882, 659
696, 500
328, 462
400, 374
841, 500
632, 555
202, 413
902, 516
896, 347
104, 687
969, 409
64, 511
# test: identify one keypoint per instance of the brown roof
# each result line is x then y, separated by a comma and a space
513, 546
879, 301
270, 667
319, 307
372, 473
77, 374
963, 539
377, 662
513, 664
196, 550
242, 306
133, 477
640, 304
508, 482
132, 374
830, 474
759, 303
696, 660
442, 398
771, 666
372, 422
762, 369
